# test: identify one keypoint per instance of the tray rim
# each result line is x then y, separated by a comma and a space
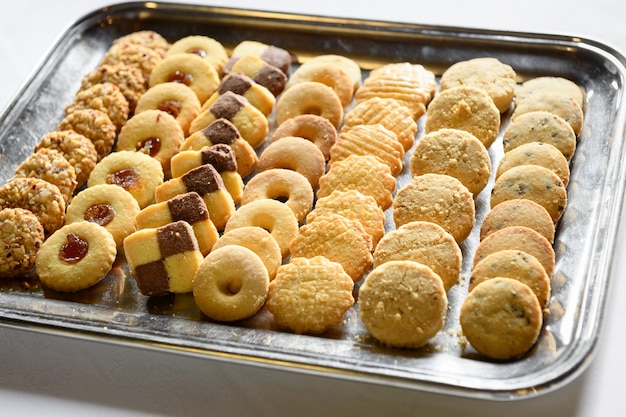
583, 356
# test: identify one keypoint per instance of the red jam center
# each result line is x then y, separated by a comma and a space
180, 77
125, 178
171, 107
198, 51
101, 214
150, 146
74, 250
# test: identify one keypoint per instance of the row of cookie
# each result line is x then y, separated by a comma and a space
515, 252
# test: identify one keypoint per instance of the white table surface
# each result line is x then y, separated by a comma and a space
59, 376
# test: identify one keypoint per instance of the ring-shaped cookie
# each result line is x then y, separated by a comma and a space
312, 127
230, 284
333, 76
309, 97
284, 185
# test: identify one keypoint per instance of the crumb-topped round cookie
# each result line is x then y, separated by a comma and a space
515, 264
93, 124
557, 103
75, 257
21, 235
551, 84
518, 212
230, 284
465, 108
310, 295
501, 318
403, 304
487, 73
437, 198
453, 152
106, 97
129, 79
426, 243
147, 38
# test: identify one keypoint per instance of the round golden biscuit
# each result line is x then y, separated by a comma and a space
106, 97
136, 172
375, 140
207, 48
258, 240
403, 304
271, 215
79, 151
417, 72
517, 265
312, 127
310, 296
222, 131
532, 182
363, 173
230, 284
536, 153
149, 38
465, 108
331, 75
22, 235
490, 74
297, 154
352, 205
518, 212
75, 257
153, 132
50, 165
129, 80
387, 112
176, 99
284, 185
338, 239
519, 238
309, 97
551, 84
38, 196
501, 318
453, 152
426, 243
187, 69
540, 126
108, 205
94, 125
143, 58
556, 103
437, 198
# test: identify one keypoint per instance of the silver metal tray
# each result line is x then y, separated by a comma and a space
114, 311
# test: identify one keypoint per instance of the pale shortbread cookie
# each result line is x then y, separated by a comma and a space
363, 173
536, 153
453, 152
551, 84
271, 215
403, 304
518, 238
136, 172
557, 103
518, 212
387, 112
501, 318
490, 74
75, 257
426, 243
369, 139
465, 108
310, 295
230, 284
418, 72
353, 205
338, 239
258, 240
437, 198
532, 182
108, 205
540, 126
517, 265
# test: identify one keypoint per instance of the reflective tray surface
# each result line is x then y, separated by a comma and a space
115, 312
